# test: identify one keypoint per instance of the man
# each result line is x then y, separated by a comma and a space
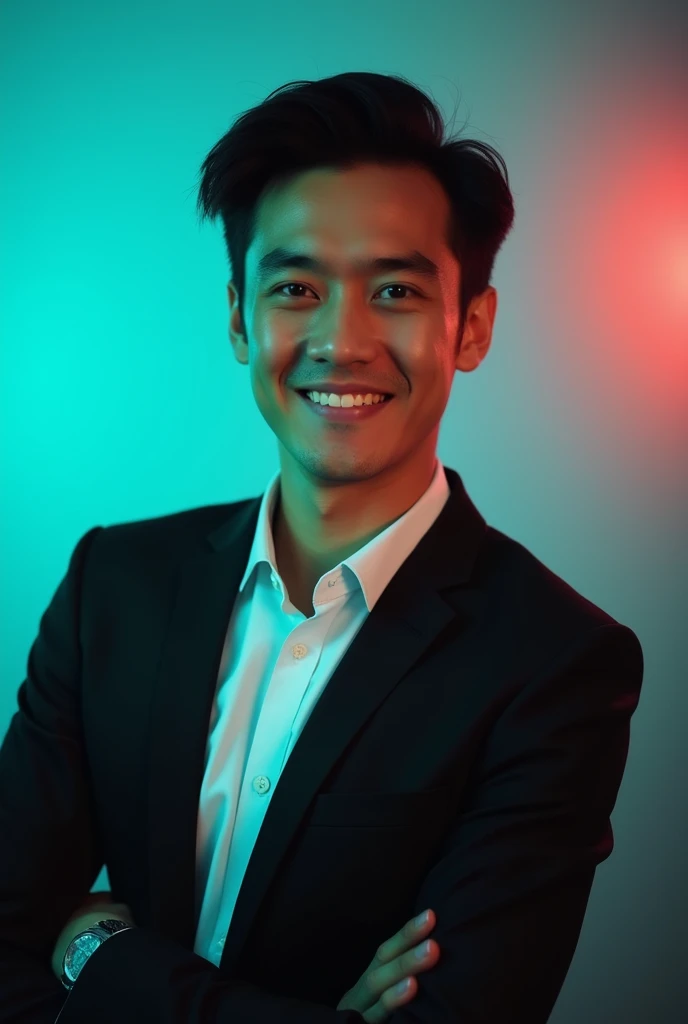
289, 723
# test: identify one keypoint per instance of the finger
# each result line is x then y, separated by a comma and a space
405, 939
405, 966
395, 961
389, 1001
396, 996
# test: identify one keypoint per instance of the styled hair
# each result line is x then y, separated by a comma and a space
346, 120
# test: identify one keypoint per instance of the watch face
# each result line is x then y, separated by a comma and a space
78, 952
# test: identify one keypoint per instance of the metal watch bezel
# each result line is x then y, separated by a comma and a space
99, 931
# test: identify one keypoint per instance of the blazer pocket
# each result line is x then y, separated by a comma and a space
376, 809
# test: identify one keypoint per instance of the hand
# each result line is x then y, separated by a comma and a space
373, 995
96, 907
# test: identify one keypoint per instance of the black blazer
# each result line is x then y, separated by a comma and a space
465, 755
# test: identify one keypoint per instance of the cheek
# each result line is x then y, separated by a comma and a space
272, 357
429, 368
268, 384
432, 386
264, 367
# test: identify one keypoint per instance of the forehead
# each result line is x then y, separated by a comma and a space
358, 212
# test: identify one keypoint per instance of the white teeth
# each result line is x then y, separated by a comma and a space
344, 401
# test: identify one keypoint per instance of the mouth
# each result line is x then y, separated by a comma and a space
348, 414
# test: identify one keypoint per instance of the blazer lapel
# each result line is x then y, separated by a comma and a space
410, 614
180, 719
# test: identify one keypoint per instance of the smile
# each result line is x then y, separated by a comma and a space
352, 414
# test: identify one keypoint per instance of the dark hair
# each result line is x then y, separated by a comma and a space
348, 119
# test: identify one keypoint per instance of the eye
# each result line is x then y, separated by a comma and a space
296, 284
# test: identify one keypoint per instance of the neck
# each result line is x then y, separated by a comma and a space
316, 525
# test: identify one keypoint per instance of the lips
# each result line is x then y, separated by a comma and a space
387, 398
363, 391
344, 414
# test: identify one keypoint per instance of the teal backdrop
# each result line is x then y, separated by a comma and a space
120, 397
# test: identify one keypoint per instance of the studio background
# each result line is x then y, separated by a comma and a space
120, 398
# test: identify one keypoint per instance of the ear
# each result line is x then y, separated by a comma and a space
477, 331
236, 328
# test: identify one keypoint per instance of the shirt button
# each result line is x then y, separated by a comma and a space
299, 651
221, 944
261, 784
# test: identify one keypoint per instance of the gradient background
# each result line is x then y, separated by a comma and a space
120, 398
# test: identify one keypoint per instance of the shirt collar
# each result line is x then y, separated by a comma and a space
373, 565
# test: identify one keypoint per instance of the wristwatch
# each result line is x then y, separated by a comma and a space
84, 944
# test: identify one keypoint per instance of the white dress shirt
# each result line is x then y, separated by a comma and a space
275, 664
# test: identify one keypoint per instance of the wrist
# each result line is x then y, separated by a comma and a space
75, 926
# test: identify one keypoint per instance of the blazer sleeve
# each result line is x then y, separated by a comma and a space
514, 874
509, 885
50, 854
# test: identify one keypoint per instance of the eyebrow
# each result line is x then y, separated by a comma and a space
282, 258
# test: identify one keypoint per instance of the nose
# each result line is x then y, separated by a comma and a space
342, 332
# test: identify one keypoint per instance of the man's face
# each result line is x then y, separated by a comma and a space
396, 331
